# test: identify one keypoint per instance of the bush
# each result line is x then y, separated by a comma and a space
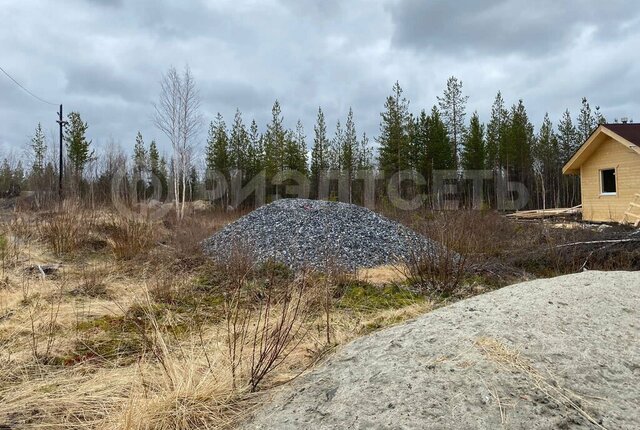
66, 229
130, 237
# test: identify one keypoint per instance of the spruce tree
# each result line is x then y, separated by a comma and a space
154, 158
568, 137
335, 149
365, 154
439, 145
587, 121
568, 142
452, 107
139, 155
158, 168
319, 152
394, 149
496, 133
217, 152
421, 150
78, 147
520, 140
255, 151
139, 167
473, 151
547, 163
349, 153
239, 144
296, 152
39, 148
274, 143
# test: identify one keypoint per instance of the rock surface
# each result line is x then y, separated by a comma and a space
560, 353
311, 233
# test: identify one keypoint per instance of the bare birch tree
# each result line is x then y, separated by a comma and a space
177, 116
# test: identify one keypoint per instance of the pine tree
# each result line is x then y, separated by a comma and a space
394, 143
6, 179
473, 151
438, 143
274, 143
154, 158
452, 106
296, 151
365, 154
39, 148
238, 144
336, 147
158, 168
139, 155
496, 133
78, 147
587, 122
420, 148
568, 142
255, 151
520, 140
217, 151
568, 137
600, 119
547, 162
139, 167
349, 153
319, 152
217, 158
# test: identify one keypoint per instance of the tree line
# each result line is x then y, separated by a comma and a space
506, 148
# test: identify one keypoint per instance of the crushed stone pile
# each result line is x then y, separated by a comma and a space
558, 353
316, 234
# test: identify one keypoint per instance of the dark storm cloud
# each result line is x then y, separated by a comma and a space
504, 26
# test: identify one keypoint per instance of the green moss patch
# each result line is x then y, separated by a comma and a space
363, 296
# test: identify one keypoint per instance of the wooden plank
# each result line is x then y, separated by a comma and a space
632, 214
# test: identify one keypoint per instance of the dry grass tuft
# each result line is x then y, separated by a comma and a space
128, 237
547, 384
66, 229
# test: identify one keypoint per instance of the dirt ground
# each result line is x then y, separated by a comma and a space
557, 353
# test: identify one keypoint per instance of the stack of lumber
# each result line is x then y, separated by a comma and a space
546, 213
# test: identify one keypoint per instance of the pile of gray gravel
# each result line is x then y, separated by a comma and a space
304, 233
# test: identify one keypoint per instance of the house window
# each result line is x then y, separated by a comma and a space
608, 181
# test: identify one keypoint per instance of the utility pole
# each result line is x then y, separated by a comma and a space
62, 123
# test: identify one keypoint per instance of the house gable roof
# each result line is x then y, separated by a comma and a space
625, 134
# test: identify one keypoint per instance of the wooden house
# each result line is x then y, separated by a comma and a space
609, 167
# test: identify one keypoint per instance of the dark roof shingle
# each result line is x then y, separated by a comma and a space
631, 132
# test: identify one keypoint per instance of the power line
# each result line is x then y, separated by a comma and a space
26, 90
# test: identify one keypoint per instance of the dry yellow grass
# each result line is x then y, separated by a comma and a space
112, 340
383, 274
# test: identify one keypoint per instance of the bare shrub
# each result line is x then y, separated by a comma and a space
128, 237
266, 316
66, 229
439, 267
279, 329
43, 325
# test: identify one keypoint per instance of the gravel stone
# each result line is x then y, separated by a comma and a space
317, 234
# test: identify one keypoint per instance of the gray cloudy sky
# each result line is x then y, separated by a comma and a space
104, 58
